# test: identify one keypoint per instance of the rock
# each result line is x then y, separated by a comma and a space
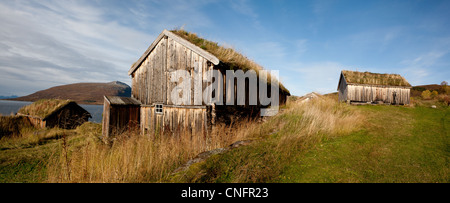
240, 143
205, 155
433, 106
199, 158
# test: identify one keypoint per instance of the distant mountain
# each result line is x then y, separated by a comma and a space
82, 93
8, 97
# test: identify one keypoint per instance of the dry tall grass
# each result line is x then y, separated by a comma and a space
136, 158
322, 117
14, 126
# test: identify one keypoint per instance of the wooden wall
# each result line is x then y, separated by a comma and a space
175, 120
106, 115
69, 117
36, 121
119, 118
367, 93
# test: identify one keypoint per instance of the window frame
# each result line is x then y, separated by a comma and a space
159, 108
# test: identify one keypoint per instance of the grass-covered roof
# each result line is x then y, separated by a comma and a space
369, 78
230, 57
43, 107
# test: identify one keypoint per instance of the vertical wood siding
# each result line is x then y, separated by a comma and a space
367, 93
174, 120
152, 80
119, 118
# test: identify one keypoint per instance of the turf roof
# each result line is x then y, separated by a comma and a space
230, 57
355, 77
43, 107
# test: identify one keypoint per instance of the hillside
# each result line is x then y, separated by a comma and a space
416, 91
82, 93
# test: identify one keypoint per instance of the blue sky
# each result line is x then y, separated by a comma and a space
56, 42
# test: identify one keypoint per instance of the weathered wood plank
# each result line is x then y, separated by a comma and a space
163, 72
364, 93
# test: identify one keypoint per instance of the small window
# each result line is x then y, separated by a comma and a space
159, 108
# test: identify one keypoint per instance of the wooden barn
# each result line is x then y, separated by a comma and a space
153, 82
51, 113
119, 114
364, 87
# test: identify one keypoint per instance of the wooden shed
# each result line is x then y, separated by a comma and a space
50, 113
373, 88
152, 84
119, 114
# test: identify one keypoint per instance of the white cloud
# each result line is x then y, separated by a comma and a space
418, 70
377, 39
321, 77
57, 42
425, 60
243, 7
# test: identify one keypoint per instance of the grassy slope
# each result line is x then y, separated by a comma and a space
25, 158
396, 144
399, 145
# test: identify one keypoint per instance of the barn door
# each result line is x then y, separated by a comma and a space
394, 97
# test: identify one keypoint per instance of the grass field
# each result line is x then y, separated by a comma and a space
320, 141
393, 144
398, 144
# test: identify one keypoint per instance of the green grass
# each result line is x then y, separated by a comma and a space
25, 157
24, 160
399, 144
